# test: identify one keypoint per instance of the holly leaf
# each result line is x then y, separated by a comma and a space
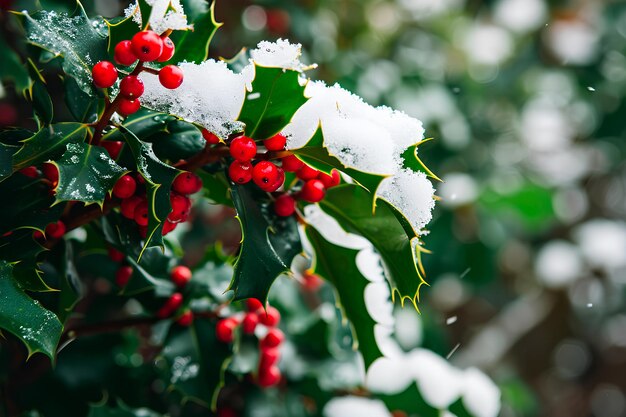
196, 362
38, 328
86, 173
275, 97
6, 160
193, 45
143, 124
268, 245
181, 141
350, 206
74, 37
48, 143
338, 266
414, 163
83, 107
159, 177
11, 67
317, 155
103, 410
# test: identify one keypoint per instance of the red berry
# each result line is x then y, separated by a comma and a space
141, 213
143, 231
124, 54
272, 339
168, 50
269, 377
291, 163
127, 107
147, 45
275, 143
168, 226
269, 357
249, 323
280, 180
311, 282
226, 412
210, 137
131, 87
187, 183
115, 255
271, 317
307, 173
129, 205
185, 319
55, 230
180, 208
51, 172
172, 304
240, 172
125, 187
180, 275
243, 148
224, 330
123, 275
171, 77
254, 305
104, 74
264, 174
30, 172
37, 235
331, 180
285, 205
313, 191
113, 147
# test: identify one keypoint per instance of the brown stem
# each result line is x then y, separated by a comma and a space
207, 155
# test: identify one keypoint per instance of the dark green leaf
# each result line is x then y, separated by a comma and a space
315, 154
73, 37
216, 188
86, 173
181, 141
414, 163
120, 411
6, 160
37, 327
28, 275
83, 107
349, 205
193, 45
48, 143
11, 67
338, 265
275, 97
42, 103
267, 249
143, 124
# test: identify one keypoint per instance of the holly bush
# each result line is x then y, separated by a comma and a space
154, 205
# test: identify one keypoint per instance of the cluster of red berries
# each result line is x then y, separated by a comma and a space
145, 46
180, 276
269, 346
134, 205
270, 177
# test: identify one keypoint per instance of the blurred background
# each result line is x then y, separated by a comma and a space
526, 101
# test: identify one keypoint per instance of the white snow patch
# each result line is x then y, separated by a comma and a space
355, 406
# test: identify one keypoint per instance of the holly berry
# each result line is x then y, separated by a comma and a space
313, 191
104, 74
172, 304
113, 147
168, 50
168, 226
129, 205
249, 323
141, 213
30, 172
240, 172
131, 87
171, 77
180, 275
185, 319
127, 107
280, 180
224, 330
269, 377
226, 412
125, 187
306, 173
311, 281
254, 305
210, 137
285, 205
264, 174
123, 275
275, 143
51, 172
331, 180
291, 163
269, 357
242, 148
147, 45
270, 318
272, 339
115, 255
55, 230
187, 183
180, 208
123, 53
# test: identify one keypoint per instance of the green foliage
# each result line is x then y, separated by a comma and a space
193, 45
